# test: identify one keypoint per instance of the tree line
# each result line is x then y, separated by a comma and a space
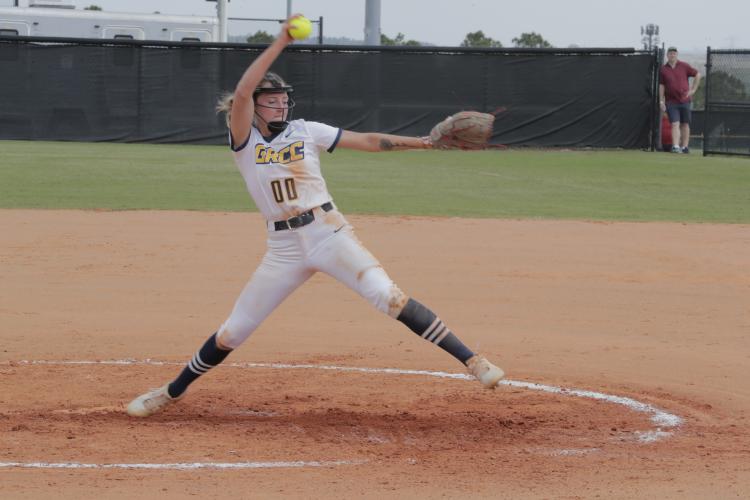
531, 40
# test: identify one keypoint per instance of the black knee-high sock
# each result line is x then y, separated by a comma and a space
206, 358
427, 325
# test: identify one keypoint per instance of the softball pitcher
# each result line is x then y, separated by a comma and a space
279, 159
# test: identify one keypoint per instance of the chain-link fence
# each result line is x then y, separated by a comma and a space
727, 116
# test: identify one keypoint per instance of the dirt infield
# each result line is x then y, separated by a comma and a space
657, 313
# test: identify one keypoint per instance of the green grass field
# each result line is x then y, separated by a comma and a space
594, 185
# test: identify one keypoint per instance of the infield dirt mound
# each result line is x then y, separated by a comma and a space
286, 415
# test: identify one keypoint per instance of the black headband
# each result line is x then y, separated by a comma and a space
273, 90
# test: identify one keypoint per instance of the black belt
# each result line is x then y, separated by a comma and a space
300, 220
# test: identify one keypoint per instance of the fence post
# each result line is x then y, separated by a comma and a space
139, 94
707, 101
655, 109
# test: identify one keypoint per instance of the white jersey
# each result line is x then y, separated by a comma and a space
283, 176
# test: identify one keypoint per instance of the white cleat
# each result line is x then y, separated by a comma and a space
151, 402
487, 373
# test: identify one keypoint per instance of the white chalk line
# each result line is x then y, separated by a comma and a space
660, 418
573, 452
180, 466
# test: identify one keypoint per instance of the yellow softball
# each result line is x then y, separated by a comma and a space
300, 28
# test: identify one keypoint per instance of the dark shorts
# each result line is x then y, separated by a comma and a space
679, 112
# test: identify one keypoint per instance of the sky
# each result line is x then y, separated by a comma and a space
691, 25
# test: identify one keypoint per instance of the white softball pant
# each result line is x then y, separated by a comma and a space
329, 245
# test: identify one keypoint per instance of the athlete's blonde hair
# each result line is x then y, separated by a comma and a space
224, 104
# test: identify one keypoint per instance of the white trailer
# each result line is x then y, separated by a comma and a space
70, 23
